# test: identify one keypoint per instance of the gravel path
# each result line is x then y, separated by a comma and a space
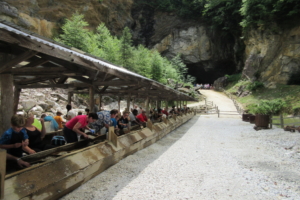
206, 158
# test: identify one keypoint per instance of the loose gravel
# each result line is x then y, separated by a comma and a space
206, 158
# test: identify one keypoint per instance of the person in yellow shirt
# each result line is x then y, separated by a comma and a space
59, 119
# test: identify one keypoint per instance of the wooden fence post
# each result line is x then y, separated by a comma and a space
281, 120
2, 171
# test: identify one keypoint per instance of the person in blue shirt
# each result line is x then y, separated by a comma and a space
15, 139
50, 119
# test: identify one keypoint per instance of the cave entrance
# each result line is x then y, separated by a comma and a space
206, 72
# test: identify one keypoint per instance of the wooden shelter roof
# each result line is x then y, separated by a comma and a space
39, 62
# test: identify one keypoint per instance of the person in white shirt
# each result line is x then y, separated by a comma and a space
70, 114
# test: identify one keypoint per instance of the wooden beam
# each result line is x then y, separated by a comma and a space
103, 90
7, 101
128, 102
92, 100
147, 106
70, 94
2, 171
47, 86
119, 104
18, 59
17, 92
40, 71
36, 63
84, 80
115, 83
62, 80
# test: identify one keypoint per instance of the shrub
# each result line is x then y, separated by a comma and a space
233, 78
255, 85
267, 107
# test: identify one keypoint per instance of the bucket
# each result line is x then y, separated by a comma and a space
252, 119
245, 117
262, 120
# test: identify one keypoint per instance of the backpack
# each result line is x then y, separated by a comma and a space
58, 140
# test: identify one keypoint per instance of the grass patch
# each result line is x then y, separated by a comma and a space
288, 93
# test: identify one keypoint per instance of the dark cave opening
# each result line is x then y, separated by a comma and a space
205, 72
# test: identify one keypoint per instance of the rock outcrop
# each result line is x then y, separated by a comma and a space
273, 57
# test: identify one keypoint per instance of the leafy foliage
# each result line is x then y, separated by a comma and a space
267, 107
233, 78
139, 59
255, 85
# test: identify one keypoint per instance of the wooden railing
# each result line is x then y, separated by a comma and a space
284, 123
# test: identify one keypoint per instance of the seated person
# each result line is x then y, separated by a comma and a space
173, 110
79, 113
70, 113
104, 119
47, 118
133, 119
36, 135
142, 117
123, 122
165, 111
158, 114
59, 119
73, 127
87, 111
15, 139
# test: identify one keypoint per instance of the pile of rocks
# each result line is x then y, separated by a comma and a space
48, 101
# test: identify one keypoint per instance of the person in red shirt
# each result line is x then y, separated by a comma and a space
142, 117
165, 111
72, 127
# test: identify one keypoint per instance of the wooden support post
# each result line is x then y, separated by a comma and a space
112, 137
149, 124
177, 104
17, 92
271, 121
281, 121
7, 101
133, 101
92, 100
100, 102
218, 112
180, 105
70, 94
128, 102
2, 171
119, 104
174, 117
147, 106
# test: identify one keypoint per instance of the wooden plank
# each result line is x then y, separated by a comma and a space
112, 137
149, 124
2, 171
18, 59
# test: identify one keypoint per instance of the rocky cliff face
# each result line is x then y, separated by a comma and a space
273, 57
208, 54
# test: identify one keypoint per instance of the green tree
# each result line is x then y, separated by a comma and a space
74, 32
156, 67
126, 48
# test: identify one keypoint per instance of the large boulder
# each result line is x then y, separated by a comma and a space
28, 104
